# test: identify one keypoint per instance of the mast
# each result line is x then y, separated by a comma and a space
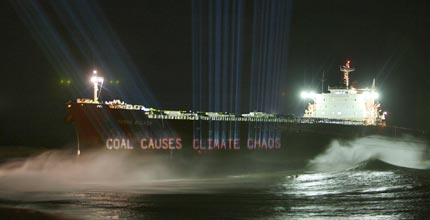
346, 70
96, 80
322, 82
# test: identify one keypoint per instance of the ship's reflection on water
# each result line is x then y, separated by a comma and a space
106, 187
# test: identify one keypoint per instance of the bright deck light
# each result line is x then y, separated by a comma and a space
307, 95
97, 79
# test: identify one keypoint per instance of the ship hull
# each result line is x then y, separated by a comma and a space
221, 145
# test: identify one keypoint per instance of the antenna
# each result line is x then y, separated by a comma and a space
96, 80
346, 70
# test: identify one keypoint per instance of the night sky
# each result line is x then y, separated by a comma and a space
147, 46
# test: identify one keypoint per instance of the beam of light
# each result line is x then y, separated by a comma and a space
216, 60
221, 40
271, 24
216, 57
49, 39
76, 36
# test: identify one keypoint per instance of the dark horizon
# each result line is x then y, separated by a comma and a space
150, 46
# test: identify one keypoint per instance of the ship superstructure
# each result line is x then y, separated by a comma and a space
346, 103
152, 113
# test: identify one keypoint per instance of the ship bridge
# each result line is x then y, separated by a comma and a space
346, 103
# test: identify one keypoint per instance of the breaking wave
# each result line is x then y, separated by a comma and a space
405, 152
379, 165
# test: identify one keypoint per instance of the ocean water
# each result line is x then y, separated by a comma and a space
345, 182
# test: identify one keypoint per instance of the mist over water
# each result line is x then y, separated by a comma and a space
60, 170
403, 152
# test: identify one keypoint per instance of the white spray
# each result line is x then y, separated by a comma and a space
58, 170
405, 152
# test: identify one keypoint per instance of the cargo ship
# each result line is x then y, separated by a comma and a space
249, 141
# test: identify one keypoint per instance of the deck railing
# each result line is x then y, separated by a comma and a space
276, 119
